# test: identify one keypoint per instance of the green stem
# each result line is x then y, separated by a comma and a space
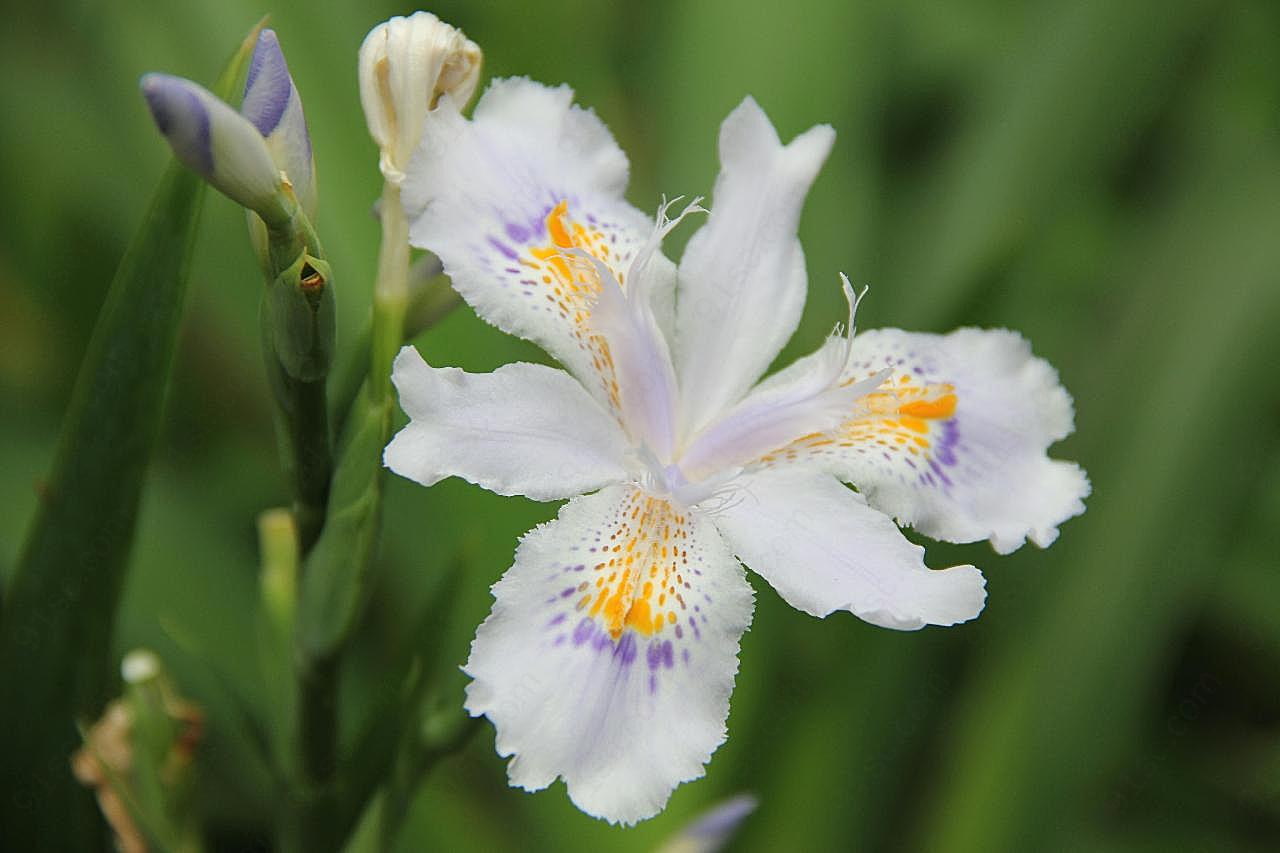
319, 724
310, 802
303, 429
312, 457
343, 571
431, 298
390, 293
348, 377
297, 343
318, 733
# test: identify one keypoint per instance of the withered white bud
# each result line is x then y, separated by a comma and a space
406, 64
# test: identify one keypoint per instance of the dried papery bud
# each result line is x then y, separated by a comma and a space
406, 64
108, 754
138, 758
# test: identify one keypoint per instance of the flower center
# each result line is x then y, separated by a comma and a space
668, 480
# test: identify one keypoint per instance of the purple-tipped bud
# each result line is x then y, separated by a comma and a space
273, 106
215, 141
714, 828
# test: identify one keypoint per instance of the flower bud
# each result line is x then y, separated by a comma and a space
406, 64
431, 296
216, 142
278, 581
273, 106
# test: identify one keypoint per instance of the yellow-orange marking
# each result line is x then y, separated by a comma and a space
897, 416
638, 591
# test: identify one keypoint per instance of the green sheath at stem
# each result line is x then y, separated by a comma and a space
298, 330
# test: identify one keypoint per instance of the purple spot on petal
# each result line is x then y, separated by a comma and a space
565, 593
685, 655
945, 452
503, 248
679, 633
559, 617
668, 654
653, 683
625, 651
585, 630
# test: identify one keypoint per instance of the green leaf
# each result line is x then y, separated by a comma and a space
55, 637
1079, 90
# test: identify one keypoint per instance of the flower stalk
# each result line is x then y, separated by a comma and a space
405, 64
431, 299
260, 157
390, 294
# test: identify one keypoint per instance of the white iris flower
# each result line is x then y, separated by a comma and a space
610, 654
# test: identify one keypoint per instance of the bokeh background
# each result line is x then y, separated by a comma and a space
1102, 176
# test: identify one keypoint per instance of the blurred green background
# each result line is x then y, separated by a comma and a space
1103, 176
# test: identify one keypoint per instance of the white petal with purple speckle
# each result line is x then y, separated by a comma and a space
622, 717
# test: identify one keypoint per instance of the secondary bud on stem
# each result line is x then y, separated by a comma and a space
299, 312
406, 64
278, 582
431, 296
